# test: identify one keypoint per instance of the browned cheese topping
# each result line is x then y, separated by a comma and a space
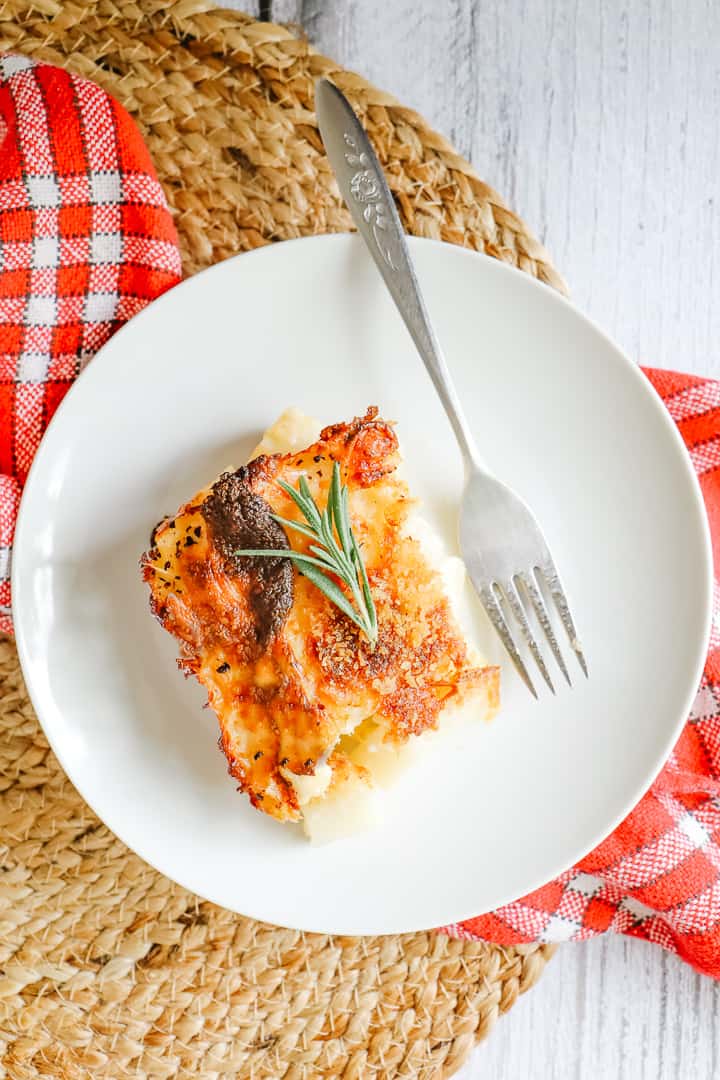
286, 672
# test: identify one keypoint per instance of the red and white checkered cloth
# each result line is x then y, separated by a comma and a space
86, 241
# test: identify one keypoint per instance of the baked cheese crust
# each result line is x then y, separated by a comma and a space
293, 681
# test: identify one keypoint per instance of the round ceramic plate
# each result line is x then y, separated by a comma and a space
185, 390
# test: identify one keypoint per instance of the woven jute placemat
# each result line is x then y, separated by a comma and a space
108, 969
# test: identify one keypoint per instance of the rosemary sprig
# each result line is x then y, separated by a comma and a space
334, 550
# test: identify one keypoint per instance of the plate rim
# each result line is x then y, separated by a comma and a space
337, 239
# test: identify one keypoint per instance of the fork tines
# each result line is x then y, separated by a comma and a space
508, 595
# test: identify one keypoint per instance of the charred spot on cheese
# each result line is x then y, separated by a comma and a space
238, 518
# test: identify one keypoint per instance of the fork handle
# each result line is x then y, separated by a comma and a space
364, 188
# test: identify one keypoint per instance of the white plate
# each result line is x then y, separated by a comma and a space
184, 390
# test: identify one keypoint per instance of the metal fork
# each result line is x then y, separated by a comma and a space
505, 552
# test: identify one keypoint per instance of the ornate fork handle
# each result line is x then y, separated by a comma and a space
366, 192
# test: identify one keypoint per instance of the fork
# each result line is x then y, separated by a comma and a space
504, 550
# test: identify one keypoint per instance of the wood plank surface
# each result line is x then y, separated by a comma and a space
599, 121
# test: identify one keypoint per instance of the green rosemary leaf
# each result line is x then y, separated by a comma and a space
304, 502
327, 537
288, 523
323, 554
369, 602
333, 593
338, 506
313, 511
282, 553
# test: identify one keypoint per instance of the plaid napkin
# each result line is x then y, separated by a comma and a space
86, 241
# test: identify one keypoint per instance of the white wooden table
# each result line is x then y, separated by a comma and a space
598, 121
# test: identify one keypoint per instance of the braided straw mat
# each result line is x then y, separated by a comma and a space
107, 969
